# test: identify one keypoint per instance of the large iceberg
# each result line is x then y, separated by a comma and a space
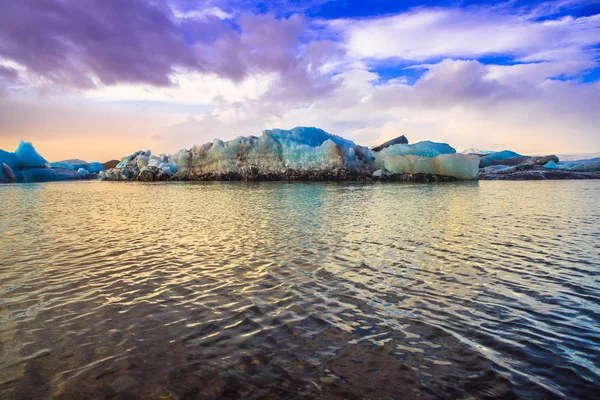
302, 149
303, 153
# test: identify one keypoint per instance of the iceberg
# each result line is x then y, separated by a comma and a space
304, 153
83, 172
303, 150
27, 165
28, 156
426, 158
550, 165
591, 165
422, 149
459, 166
504, 157
62, 164
30, 175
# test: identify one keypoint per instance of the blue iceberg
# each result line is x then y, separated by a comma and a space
28, 157
504, 157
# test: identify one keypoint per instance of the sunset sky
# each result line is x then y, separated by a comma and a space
98, 79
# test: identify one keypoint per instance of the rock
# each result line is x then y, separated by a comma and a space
124, 383
110, 164
146, 175
399, 140
539, 173
544, 160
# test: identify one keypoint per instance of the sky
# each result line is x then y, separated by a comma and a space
99, 79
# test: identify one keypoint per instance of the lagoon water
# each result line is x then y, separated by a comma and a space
304, 290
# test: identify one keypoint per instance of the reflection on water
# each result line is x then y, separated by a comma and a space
227, 290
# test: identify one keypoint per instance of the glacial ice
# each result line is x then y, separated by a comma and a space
422, 149
303, 150
275, 151
460, 166
96, 167
83, 172
28, 156
62, 164
503, 157
9, 159
76, 164
28, 175
550, 165
591, 165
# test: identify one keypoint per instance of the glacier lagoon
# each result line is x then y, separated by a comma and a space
281, 290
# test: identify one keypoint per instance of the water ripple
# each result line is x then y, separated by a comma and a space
228, 290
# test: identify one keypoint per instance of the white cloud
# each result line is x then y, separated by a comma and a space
425, 34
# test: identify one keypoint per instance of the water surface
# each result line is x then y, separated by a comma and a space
273, 290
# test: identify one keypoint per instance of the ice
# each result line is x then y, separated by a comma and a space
590, 165
550, 165
423, 149
46, 174
274, 152
459, 166
154, 162
9, 159
170, 166
504, 157
429, 158
96, 167
7, 174
28, 156
83, 172
62, 164
142, 161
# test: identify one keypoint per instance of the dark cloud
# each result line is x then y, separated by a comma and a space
70, 43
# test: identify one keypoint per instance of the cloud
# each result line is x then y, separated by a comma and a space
425, 34
94, 43
171, 74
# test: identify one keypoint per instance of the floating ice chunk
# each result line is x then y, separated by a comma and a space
83, 172
96, 167
550, 165
459, 166
148, 153
28, 156
504, 157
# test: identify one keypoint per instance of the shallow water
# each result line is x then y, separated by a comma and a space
184, 290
